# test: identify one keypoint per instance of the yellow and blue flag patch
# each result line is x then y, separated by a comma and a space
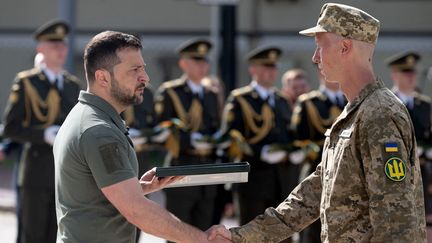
391, 147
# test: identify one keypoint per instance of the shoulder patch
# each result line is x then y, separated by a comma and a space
395, 169
172, 83
110, 154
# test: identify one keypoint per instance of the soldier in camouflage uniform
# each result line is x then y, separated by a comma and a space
368, 186
39, 102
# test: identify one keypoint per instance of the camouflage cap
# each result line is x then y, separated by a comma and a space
346, 21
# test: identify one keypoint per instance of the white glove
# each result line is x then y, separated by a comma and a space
162, 136
428, 154
420, 151
273, 157
134, 132
225, 144
297, 157
195, 137
50, 134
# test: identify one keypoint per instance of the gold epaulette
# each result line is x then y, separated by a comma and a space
71, 77
242, 91
28, 73
423, 98
311, 95
172, 83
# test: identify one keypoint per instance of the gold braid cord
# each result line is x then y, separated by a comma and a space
33, 102
193, 118
129, 115
251, 117
317, 121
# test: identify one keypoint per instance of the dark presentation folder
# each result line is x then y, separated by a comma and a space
206, 174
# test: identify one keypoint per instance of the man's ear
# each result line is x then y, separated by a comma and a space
346, 46
102, 77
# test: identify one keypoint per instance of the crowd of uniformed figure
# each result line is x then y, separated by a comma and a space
189, 121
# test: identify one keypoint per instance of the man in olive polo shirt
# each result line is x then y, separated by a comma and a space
98, 195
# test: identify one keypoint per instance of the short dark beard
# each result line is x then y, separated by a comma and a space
122, 97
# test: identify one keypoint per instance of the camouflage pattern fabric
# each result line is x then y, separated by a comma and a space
367, 187
346, 21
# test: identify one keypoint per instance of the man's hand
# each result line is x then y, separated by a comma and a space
150, 183
219, 232
50, 134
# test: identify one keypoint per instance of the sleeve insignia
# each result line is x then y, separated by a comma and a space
391, 147
395, 169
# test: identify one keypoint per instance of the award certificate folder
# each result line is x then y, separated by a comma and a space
206, 174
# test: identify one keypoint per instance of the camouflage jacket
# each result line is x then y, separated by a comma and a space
367, 187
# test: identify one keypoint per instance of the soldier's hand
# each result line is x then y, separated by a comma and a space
219, 232
272, 157
50, 134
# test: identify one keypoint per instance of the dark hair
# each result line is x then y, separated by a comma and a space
101, 51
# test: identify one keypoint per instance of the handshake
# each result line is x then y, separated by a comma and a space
218, 233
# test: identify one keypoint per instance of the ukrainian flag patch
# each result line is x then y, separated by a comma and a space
391, 147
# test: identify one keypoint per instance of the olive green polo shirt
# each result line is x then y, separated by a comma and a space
92, 151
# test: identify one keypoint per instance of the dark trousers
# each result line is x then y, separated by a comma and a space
38, 216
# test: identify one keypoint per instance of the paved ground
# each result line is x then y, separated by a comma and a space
7, 206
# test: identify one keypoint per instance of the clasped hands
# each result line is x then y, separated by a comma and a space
219, 233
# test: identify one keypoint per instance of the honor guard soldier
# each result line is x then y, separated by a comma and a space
195, 105
39, 101
313, 114
262, 115
403, 71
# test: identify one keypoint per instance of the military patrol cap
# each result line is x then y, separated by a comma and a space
264, 55
195, 48
346, 21
404, 61
54, 30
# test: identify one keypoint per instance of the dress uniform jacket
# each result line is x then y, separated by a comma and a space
313, 114
26, 118
175, 99
34, 104
367, 187
246, 110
